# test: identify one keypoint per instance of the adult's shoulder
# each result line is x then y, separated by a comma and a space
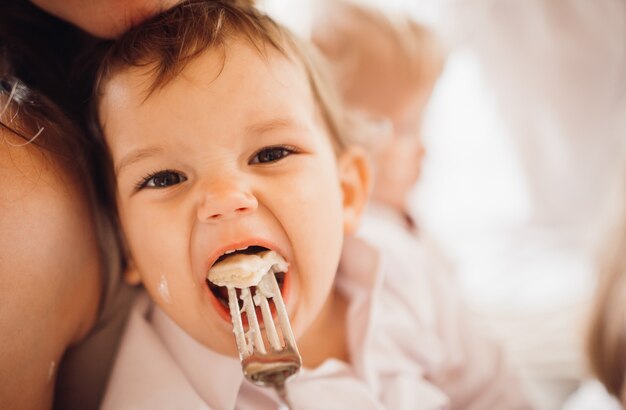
48, 265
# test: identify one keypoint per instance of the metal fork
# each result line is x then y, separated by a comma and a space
262, 367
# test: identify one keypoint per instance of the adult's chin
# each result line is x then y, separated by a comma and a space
104, 18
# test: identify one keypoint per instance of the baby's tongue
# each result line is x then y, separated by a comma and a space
243, 271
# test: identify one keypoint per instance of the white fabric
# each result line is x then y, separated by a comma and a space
592, 395
525, 137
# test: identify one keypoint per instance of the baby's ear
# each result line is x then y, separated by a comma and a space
354, 175
131, 275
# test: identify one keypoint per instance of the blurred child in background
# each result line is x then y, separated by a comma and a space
385, 70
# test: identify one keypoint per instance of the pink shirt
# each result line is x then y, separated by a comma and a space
404, 337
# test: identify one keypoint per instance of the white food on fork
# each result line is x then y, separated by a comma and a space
242, 271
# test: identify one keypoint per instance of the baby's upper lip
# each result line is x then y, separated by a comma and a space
243, 244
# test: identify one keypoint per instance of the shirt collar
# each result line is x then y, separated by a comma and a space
144, 372
359, 278
218, 382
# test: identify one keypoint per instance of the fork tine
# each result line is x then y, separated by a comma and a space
251, 344
235, 314
281, 310
253, 323
270, 329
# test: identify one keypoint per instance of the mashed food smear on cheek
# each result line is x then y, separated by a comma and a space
243, 271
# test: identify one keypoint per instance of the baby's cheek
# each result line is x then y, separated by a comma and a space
314, 228
166, 290
153, 252
322, 248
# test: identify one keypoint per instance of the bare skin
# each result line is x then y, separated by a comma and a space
104, 18
49, 272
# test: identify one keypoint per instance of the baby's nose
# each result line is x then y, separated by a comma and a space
226, 203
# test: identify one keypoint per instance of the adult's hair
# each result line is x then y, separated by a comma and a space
55, 63
38, 121
43, 51
606, 338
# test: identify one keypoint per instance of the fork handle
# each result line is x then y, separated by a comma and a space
282, 393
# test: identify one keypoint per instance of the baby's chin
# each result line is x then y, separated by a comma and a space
223, 347
208, 329
219, 340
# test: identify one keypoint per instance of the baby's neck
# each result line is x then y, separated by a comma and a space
326, 338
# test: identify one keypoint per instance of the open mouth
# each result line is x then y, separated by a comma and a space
220, 293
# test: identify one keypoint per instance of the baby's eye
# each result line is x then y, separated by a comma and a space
161, 179
272, 154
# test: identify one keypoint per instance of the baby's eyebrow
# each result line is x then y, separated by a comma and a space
136, 156
272, 125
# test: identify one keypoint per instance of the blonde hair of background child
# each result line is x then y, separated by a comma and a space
357, 39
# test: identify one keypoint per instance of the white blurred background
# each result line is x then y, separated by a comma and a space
525, 137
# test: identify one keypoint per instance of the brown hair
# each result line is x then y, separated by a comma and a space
47, 54
606, 339
167, 42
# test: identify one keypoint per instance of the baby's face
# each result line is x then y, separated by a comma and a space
219, 159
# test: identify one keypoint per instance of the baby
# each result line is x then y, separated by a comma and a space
224, 139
